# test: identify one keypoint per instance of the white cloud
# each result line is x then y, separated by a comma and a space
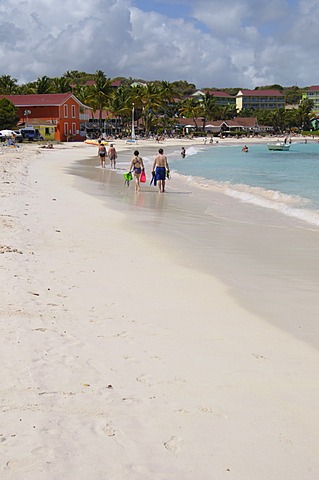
243, 43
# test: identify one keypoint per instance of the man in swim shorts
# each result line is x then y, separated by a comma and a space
112, 155
160, 167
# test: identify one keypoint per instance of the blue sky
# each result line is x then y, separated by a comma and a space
175, 9
211, 43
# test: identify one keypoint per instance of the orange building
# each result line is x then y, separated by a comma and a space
58, 114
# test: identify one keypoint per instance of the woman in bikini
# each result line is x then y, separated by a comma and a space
102, 153
136, 167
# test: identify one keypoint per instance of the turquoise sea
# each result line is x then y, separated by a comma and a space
287, 182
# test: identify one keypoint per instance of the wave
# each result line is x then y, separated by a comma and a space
290, 205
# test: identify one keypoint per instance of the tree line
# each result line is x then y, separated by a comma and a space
157, 104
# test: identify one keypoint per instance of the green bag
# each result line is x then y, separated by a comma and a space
127, 178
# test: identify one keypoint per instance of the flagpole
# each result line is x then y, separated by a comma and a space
133, 129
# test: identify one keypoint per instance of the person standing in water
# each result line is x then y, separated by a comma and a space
160, 167
102, 153
137, 166
183, 152
112, 154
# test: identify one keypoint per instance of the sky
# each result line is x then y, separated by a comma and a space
211, 43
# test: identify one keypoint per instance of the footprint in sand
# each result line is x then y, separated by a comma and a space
131, 400
20, 463
125, 335
213, 412
109, 430
43, 453
174, 444
129, 358
182, 411
144, 378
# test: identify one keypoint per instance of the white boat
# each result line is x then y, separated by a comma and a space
278, 146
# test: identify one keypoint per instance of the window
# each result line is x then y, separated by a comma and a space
73, 111
66, 127
66, 112
73, 128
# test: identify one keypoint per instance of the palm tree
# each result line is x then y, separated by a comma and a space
227, 112
8, 85
120, 104
167, 108
151, 101
61, 85
191, 108
303, 114
278, 119
43, 85
209, 108
100, 93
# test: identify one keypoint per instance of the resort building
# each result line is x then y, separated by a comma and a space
259, 99
57, 116
239, 125
313, 94
222, 99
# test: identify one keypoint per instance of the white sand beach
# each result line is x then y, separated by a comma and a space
123, 357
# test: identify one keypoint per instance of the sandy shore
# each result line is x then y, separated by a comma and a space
119, 361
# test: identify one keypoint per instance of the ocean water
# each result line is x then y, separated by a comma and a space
287, 182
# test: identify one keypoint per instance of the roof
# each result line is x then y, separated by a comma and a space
214, 93
260, 93
116, 83
314, 87
38, 121
217, 93
189, 121
242, 122
36, 100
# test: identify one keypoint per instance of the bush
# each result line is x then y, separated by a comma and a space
8, 114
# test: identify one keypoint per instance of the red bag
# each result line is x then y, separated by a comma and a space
143, 177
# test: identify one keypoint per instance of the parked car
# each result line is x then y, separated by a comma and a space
18, 136
30, 134
10, 135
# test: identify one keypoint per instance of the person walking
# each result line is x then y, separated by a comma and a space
102, 153
160, 169
137, 166
112, 154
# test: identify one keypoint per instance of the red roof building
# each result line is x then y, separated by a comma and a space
222, 99
61, 110
259, 99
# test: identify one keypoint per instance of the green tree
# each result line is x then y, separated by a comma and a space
183, 88
152, 99
191, 108
60, 85
100, 93
42, 85
209, 109
303, 114
8, 114
8, 85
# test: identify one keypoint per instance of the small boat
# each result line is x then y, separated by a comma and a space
279, 146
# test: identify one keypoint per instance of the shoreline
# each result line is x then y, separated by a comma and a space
119, 357
240, 244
